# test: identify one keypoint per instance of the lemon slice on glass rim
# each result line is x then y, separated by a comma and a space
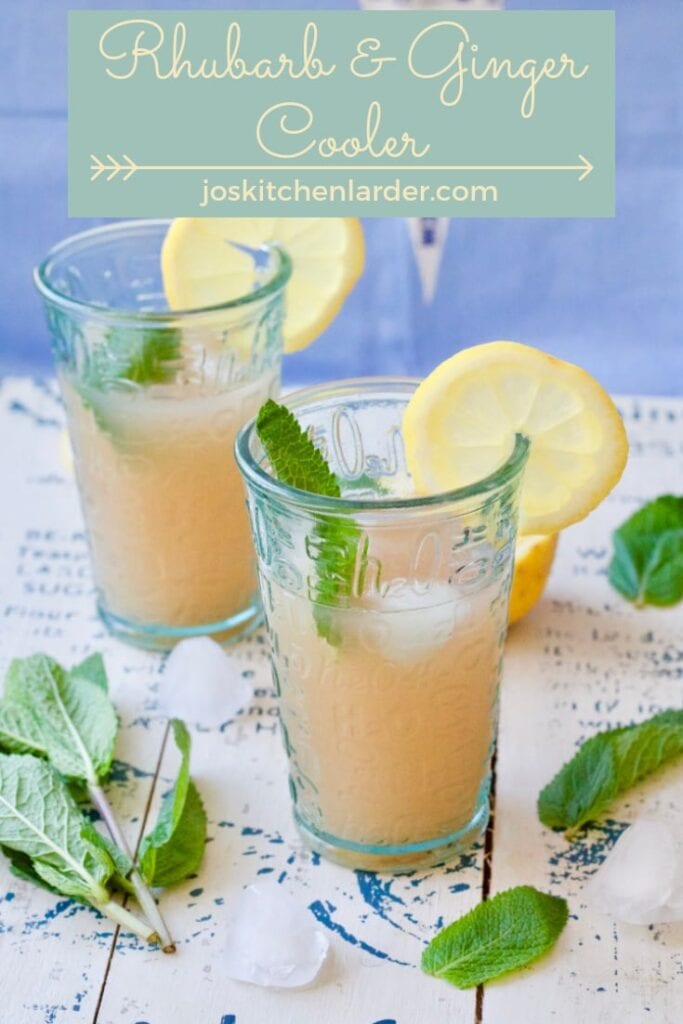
200, 267
461, 422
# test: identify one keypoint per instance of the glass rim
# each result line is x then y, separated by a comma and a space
255, 474
275, 284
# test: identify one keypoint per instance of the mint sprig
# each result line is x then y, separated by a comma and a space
607, 765
647, 564
67, 718
142, 356
498, 936
335, 542
295, 459
148, 356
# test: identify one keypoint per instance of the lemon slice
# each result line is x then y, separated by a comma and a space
533, 561
460, 426
200, 266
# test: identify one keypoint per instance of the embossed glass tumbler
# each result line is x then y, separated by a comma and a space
387, 615
154, 399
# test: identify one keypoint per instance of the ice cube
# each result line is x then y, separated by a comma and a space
201, 685
641, 882
404, 626
273, 939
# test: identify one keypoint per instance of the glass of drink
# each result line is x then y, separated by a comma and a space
387, 615
154, 399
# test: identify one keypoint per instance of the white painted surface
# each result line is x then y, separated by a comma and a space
586, 661
583, 660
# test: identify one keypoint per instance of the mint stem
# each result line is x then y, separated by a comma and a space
130, 922
143, 895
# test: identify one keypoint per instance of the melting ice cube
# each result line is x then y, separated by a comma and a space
201, 684
406, 627
641, 882
273, 940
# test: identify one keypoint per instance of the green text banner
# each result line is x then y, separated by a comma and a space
305, 113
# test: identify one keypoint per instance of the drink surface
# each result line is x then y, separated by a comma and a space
163, 501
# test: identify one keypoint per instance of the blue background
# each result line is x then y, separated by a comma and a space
604, 293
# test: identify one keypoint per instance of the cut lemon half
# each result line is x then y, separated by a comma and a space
201, 266
461, 422
533, 561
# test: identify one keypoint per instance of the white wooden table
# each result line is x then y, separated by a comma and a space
584, 660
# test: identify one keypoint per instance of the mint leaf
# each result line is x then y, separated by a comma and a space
21, 866
500, 935
365, 482
19, 731
40, 819
149, 356
647, 565
582, 788
64, 716
334, 543
92, 668
607, 765
175, 847
336, 546
142, 356
51, 843
123, 863
295, 459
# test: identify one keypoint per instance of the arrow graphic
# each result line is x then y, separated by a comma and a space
114, 167
126, 167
